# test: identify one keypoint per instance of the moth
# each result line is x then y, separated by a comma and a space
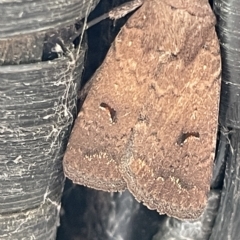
149, 121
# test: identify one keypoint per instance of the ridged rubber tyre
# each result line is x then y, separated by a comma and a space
38, 105
37, 109
228, 16
31, 16
38, 223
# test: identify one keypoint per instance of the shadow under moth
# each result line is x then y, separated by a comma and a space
149, 121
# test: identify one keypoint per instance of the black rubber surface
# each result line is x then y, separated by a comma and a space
29, 16
228, 18
199, 229
37, 109
39, 223
98, 215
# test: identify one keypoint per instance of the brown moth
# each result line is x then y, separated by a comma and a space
149, 121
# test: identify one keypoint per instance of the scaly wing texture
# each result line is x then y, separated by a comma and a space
169, 156
149, 121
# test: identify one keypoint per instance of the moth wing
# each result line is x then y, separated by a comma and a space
103, 126
169, 155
